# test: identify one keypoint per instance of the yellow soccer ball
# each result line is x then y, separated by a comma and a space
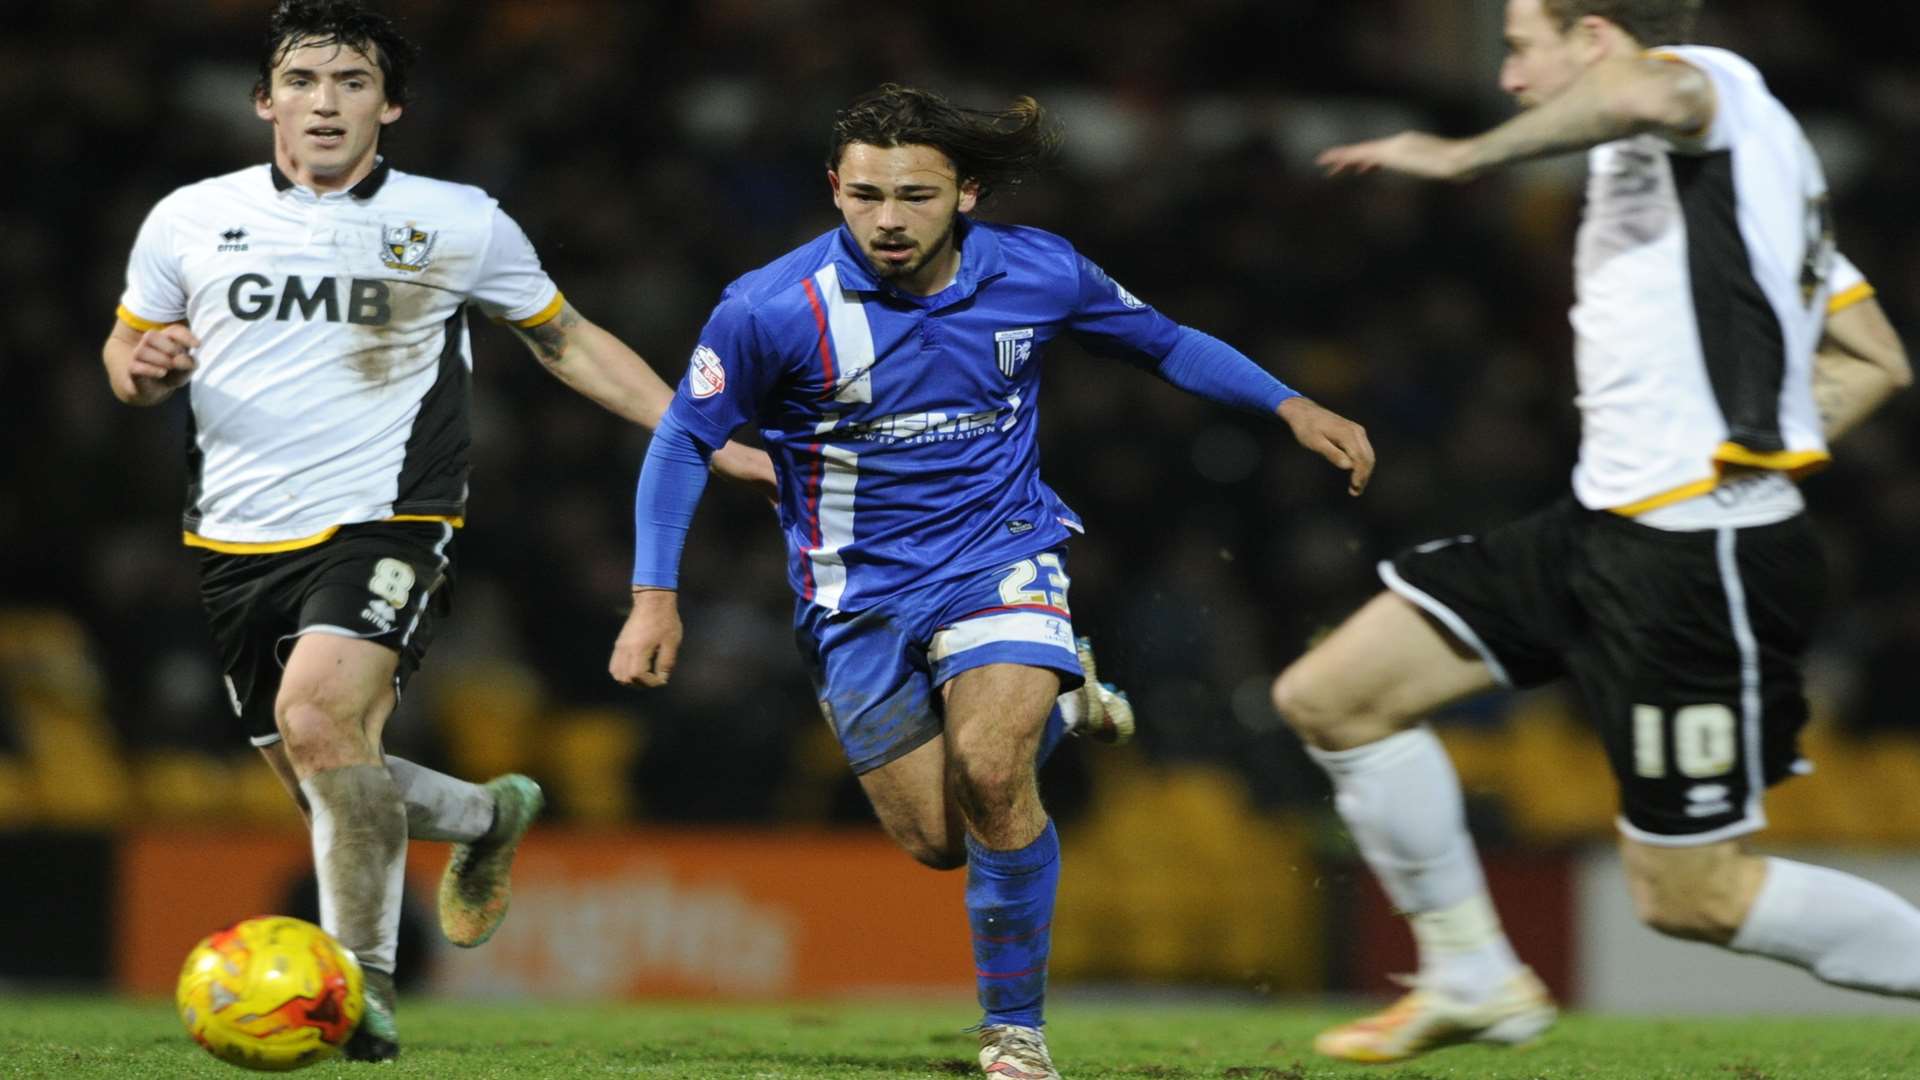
272, 993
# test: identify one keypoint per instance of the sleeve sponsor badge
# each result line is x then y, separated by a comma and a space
706, 376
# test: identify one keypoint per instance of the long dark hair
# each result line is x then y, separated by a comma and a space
337, 22
995, 150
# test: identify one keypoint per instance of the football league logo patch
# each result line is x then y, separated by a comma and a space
706, 376
405, 247
1011, 349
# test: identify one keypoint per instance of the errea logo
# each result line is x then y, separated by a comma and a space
233, 239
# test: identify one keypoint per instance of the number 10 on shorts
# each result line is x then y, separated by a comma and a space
1703, 741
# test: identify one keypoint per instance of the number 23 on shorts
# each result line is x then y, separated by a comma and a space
1016, 588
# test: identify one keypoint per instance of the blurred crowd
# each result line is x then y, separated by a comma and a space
654, 151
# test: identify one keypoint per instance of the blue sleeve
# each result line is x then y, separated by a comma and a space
729, 374
1113, 322
671, 480
1204, 365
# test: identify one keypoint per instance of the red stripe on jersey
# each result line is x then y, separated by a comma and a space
816, 479
826, 346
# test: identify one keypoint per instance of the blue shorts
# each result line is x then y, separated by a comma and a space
877, 672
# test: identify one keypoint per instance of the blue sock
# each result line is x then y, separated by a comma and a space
1010, 907
1051, 735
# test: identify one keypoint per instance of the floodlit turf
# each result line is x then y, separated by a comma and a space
93, 1037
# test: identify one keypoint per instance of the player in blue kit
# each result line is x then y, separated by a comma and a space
893, 368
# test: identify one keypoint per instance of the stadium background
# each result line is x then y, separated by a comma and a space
655, 151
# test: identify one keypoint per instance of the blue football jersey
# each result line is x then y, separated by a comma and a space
903, 427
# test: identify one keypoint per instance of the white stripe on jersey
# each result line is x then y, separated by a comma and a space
334, 344
839, 477
852, 338
1702, 272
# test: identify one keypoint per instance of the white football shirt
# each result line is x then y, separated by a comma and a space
333, 373
1704, 271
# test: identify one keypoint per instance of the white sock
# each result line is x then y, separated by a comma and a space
1401, 801
360, 858
1071, 708
440, 807
1846, 930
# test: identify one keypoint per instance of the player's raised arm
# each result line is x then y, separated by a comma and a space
145, 367
1861, 361
1611, 100
1623, 93
601, 367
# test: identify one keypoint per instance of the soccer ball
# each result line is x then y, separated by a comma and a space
271, 993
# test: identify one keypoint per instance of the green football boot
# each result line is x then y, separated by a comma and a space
376, 1039
475, 889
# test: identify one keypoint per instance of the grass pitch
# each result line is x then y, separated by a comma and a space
77, 1037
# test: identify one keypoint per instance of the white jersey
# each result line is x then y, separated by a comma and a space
332, 384
1704, 272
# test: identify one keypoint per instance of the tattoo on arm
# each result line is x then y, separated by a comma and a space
549, 340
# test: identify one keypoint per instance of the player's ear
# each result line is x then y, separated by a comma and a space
391, 112
833, 185
969, 195
1590, 36
263, 104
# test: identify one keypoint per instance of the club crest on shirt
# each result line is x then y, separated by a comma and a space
405, 247
706, 376
1011, 349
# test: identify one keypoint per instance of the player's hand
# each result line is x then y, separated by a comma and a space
160, 363
1333, 437
746, 465
650, 641
1414, 153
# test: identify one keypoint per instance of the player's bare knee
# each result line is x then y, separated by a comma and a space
1687, 906
317, 737
1317, 713
930, 844
935, 855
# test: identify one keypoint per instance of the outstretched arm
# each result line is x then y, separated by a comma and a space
1610, 100
1204, 365
1861, 363
601, 367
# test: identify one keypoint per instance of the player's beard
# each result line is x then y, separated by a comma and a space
886, 271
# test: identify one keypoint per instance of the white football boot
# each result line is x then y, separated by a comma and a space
1105, 713
1011, 1052
1428, 1019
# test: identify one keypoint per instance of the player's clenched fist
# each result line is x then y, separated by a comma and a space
158, 362
650, 641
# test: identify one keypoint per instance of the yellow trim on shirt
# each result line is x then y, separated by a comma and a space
1667, 498
135, 321
1713, 114
546, 314
271, 547
275, 547
1846, 298
1795, 463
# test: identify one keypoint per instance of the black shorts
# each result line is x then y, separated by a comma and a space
1686, 647
382, 581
